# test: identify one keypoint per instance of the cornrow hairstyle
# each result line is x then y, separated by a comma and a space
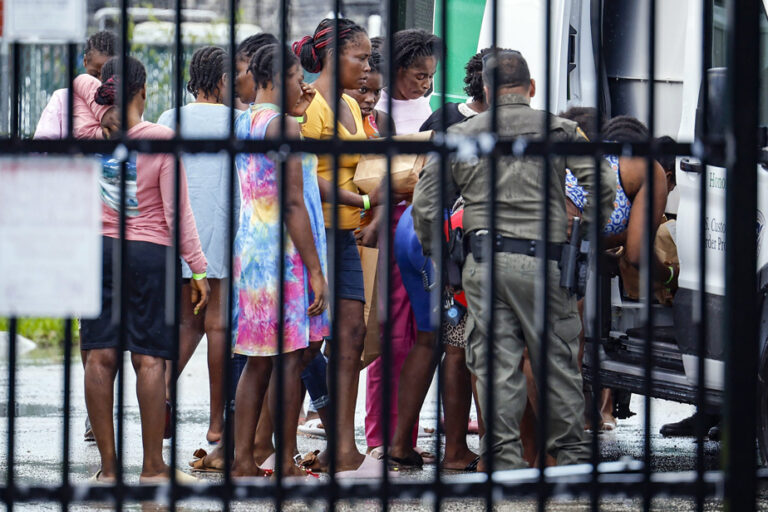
376, 62
312, 50
586, 118
667, 162
250, 45
103, 42
133, 81
413, 44
625, 129
265, 64
474, 77
206, 70
377, 44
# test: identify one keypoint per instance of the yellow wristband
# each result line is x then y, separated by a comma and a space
366, 202
198, 277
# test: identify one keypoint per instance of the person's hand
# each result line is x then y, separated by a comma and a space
572, 211
201, 292
320, 290
378, 195
307, 95
368, 236
110, 122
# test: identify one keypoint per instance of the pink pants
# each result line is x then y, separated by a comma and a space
403, 339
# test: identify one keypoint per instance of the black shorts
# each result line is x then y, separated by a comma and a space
350, 269
147, 331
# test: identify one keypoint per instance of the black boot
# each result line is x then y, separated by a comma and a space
687, 427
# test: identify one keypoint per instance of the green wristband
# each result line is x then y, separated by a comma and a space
198, 277
671, 274
366, 202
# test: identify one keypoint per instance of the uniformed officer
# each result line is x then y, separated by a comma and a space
519, 222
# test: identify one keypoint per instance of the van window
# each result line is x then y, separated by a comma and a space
719, 49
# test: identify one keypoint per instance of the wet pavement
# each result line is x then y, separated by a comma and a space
39, 426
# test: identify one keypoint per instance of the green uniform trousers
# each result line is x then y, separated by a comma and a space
518, 285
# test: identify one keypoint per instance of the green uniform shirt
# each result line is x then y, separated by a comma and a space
519, 186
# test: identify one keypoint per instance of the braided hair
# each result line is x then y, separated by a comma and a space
135, 79
474, 77
103, 42
413, 44
265, 66
250, 45
586, 118
206, 70
624, 129
313, 49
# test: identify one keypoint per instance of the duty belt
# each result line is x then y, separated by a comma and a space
477, 243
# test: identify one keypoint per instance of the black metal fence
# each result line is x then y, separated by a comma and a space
736, 483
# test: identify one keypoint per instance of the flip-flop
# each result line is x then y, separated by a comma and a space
199, 465
472, 466
412, 461
369, 468
377, 453
269, 463
426, 456
311, 462
313, 427
95, 480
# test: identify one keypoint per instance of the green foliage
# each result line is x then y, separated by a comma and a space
46, 332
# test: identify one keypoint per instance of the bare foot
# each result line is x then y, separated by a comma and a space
311, 415
213, 436
460, 462
246, 469
349, 461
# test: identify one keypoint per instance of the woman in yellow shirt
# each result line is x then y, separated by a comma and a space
316, 56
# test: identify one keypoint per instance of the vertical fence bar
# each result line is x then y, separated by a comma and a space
15, 90
596, 297
386, 335
741, 321
66, 490
440, 264
67, 401
71, 52
227, 488
700, 307
279, 414
542, 383
10, 484
175, 269
647, 266
122, 260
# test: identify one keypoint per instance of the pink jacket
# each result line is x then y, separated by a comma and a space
87, 113
155, 195
53, 120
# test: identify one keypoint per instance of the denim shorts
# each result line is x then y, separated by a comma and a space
350, 281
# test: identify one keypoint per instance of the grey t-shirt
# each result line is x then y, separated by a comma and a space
208, 182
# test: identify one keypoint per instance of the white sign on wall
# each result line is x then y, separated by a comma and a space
50, 237
45, 20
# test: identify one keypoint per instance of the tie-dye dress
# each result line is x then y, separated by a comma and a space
257, 253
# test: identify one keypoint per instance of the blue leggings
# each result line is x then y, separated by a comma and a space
313, 377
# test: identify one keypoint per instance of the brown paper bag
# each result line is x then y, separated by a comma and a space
666, 251
369, 258
405, 168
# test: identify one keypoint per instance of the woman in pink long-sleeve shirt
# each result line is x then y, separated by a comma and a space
149, 225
